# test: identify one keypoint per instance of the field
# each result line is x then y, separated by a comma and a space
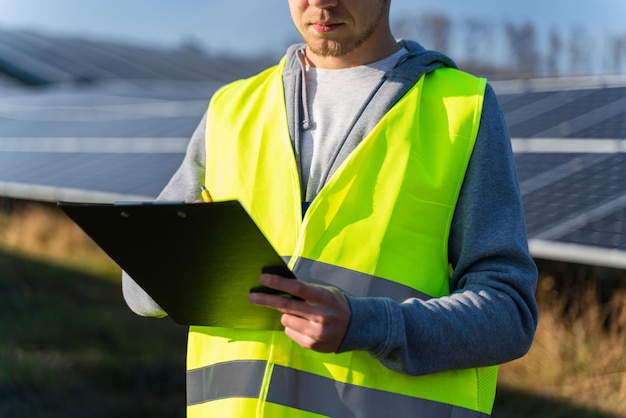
71, 348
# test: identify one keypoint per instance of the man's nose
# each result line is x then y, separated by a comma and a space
323, 4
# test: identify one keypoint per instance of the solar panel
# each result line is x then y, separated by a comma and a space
608, 231
562, 114
569, 197
614, 126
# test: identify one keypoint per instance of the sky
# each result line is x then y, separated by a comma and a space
247, 26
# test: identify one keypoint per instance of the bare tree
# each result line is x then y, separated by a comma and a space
555, 49
559, 53
437, 29
432, 30
522, 42
478, 39
618, 53
579, 49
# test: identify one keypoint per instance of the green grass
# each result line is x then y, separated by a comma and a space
71, 348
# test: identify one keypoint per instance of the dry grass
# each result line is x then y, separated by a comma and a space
578, 352
43, 231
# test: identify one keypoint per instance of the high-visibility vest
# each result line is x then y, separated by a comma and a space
378, 228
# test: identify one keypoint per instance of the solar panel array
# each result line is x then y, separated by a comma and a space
112, 122
570, 143
40, 60
96, 143
106, 121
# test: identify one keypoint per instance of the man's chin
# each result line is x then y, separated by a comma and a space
328, 49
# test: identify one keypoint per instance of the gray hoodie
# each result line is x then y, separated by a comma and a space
490, 316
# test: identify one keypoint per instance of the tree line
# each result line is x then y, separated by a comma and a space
521, 50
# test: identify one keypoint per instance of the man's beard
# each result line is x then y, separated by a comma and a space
336, 48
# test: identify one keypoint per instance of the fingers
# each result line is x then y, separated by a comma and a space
303, 340
319, 321
313, 294
282, 303
324, 336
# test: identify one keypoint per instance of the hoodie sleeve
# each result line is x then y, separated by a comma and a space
184, 185
491, 315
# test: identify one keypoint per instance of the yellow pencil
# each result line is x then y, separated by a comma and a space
206, 196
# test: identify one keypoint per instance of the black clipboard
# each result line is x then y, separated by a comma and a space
198, 261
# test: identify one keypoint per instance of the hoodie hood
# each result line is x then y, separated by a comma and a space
420, 60
416, 62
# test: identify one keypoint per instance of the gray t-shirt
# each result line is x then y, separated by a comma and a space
335, 99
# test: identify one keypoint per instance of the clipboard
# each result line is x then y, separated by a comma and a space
198, 261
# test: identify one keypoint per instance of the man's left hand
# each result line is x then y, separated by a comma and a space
318, 321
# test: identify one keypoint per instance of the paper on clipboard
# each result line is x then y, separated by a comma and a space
197, 261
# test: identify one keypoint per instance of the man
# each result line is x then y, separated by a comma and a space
386, 175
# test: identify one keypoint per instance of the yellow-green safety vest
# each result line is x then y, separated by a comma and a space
378, 228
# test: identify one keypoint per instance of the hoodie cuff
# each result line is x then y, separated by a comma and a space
369, 324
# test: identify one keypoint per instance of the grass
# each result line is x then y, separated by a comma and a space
71, 348
577, 357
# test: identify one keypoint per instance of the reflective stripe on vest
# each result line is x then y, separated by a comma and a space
303, 391
354, 282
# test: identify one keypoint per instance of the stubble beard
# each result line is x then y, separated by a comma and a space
332, 48
335, 49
